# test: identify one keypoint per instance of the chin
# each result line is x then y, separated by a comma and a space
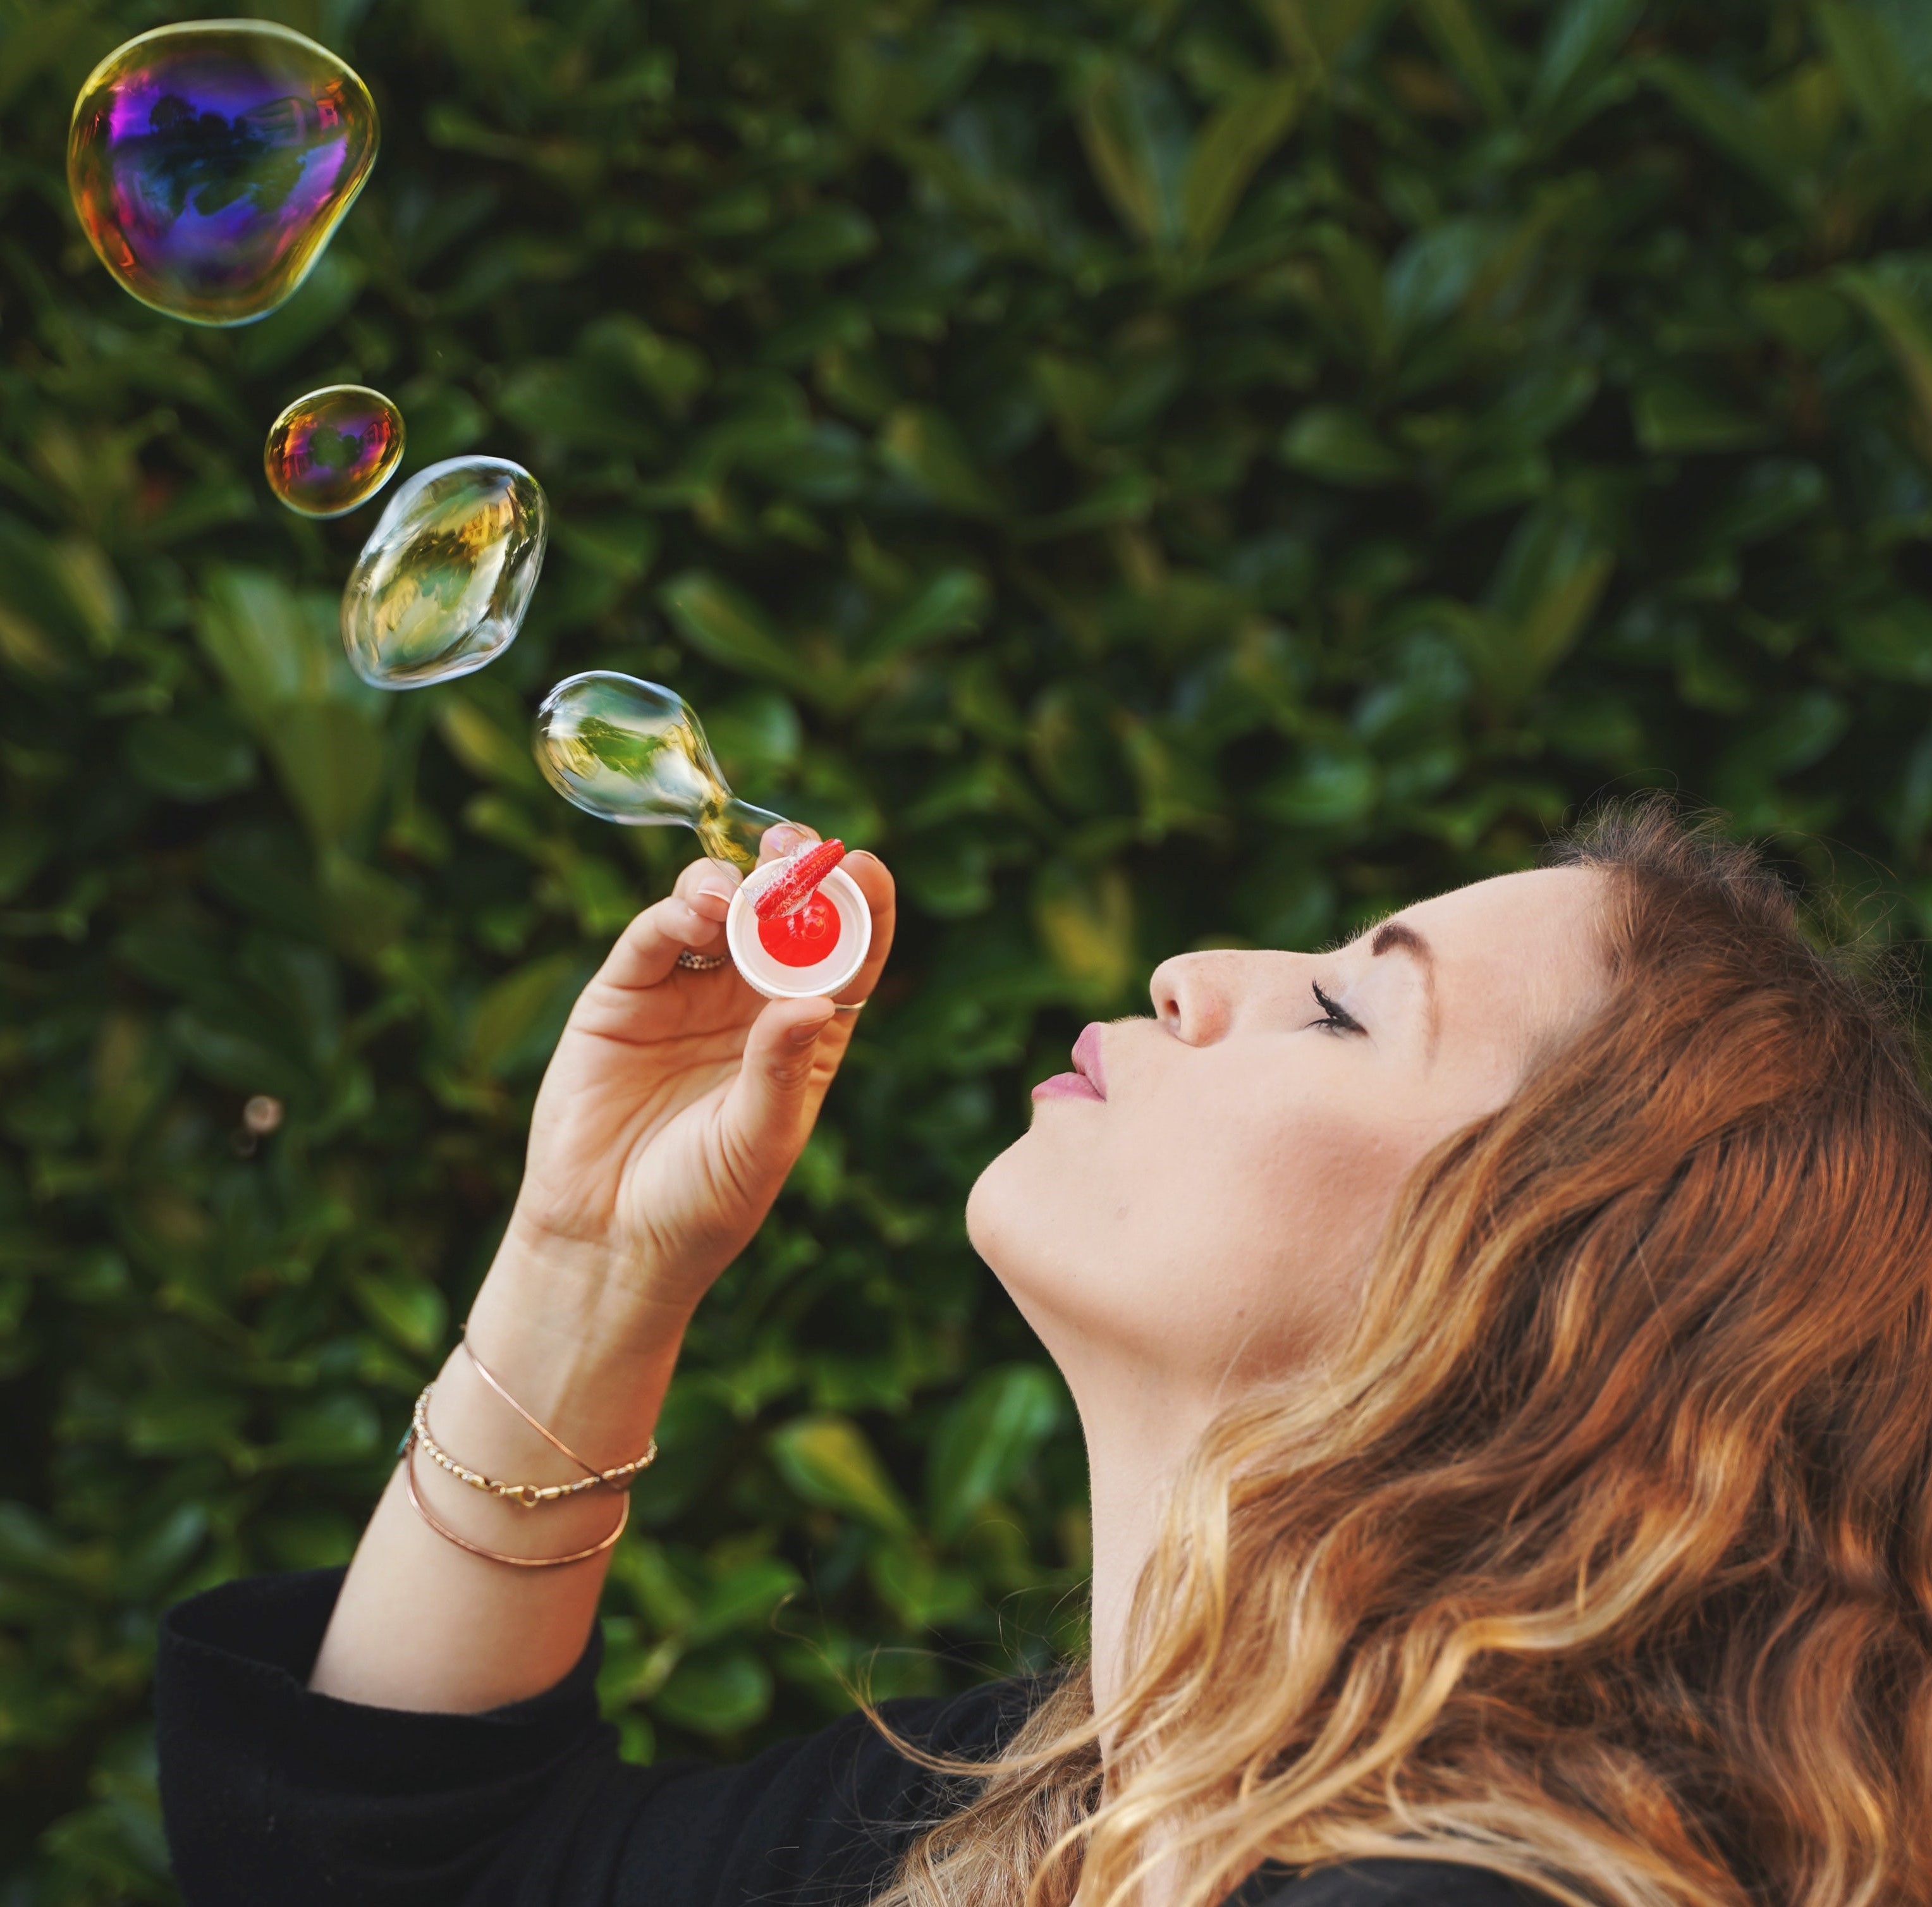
989, 1208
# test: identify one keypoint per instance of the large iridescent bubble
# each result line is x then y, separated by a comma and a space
209, 163
633, 752
333, 449
442, 584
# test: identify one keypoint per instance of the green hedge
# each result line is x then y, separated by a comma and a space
1167, 475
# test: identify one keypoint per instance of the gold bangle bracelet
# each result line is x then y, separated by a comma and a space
449, 1535
621, 1477
529, 1495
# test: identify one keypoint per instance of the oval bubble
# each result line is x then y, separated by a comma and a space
210, 162
333, 449
634, 751
442, 584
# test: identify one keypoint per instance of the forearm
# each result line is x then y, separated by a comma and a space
422, 1624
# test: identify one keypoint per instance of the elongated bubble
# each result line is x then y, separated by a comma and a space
210, 162
634, 751
333, 449
442, 584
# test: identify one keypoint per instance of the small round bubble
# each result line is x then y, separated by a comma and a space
442, 584
210, 162
634, 751
333, 449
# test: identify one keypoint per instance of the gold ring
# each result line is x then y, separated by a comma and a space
701, 963
848, 1006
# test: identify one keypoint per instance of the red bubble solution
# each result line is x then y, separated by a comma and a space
803, 938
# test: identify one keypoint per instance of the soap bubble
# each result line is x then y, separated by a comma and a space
634, 751
442, 584
210, 162
333, 449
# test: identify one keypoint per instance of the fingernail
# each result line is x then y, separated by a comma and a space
803, 1036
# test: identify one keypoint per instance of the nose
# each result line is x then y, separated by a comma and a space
1193, 996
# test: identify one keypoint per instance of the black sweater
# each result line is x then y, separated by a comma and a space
275, 1794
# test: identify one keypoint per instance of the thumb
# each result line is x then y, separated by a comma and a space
764, 1110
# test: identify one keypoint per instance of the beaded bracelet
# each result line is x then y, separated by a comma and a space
529, 1495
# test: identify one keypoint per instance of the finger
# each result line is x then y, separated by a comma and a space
783, 838
765, 1114
707, 887
647, 949
874, 882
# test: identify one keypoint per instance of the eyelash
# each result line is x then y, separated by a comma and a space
1336, 1019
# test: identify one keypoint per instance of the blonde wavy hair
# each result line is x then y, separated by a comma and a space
1601, 1555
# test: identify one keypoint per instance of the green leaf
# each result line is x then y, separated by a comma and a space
1552, 575
1327, 787
919, 1590
674, 372
518, 1020
574, 405
1137, 143
986, 1442
1770, 496
1892, 292
1341, 446
1869, 58
1464, 42
1892, 641
923, 447
1319, 32
953, 602
1732, 119
327, 294
725, 624
328, 1431
330, 759
1583, 39
1674, 416
1432, 274
198, 757
1801, 730
415, 1314
1085, 920
827, 1463
488, 732
723, 1691
821, 240
1239, 135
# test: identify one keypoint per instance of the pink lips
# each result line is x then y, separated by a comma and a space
1089, 1079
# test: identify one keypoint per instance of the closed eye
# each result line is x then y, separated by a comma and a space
1337, 1019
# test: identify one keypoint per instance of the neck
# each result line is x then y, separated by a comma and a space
1138, 1434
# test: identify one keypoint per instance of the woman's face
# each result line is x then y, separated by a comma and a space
1196, 1201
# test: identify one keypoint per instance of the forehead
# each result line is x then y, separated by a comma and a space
1522, 951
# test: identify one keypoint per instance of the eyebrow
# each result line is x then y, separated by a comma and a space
1393, 936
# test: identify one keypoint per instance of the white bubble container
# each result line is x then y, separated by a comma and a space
773, 978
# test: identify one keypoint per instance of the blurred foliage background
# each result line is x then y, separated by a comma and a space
1165, 474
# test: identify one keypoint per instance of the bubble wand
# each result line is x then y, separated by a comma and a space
634, 752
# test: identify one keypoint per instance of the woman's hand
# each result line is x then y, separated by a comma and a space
674, 1106
677, 1101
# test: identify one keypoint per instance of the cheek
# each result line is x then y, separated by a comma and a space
1204, 1233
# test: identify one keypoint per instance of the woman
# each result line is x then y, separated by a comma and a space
1502, 1344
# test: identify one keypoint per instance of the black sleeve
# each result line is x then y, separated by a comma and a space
1388, 1884
272, 1792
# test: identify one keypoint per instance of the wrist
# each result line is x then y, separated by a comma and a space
586, 1288
572, 1341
